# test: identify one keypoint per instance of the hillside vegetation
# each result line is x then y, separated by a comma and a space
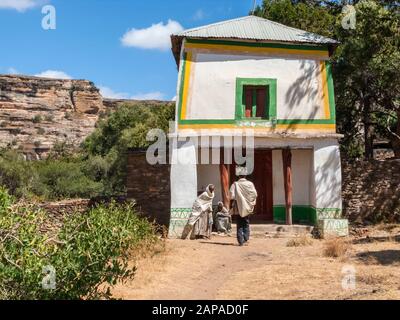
96, 168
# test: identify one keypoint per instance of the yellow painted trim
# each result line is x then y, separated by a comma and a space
325, 90
186, 84
280, 127
319, 53
310, 126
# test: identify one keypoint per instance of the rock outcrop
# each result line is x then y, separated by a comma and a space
37, 113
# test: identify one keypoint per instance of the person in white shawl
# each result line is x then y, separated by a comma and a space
201, 221
243, 196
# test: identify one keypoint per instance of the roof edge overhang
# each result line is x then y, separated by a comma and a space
177, 41
268, 135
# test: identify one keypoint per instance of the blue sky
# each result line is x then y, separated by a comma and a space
120, 45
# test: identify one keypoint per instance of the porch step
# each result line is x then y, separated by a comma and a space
276, 230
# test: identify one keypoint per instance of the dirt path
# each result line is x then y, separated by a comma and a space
267, 269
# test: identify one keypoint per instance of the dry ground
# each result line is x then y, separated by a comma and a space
266, 269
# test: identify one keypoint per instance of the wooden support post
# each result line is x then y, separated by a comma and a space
224, 170
287, 175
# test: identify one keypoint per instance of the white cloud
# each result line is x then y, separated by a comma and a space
107, 92
12, 70
149, 96
53, 74
199, 15
155, 37
20, 5
173, 98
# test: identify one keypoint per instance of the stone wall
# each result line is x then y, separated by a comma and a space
371, 190
149, 186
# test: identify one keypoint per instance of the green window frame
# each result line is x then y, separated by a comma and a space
271, 90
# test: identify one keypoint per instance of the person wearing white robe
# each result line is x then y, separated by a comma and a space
200, 221
223, 220
244, 196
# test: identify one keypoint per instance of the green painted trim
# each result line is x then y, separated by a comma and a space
181, 86
329, 213
306, 121
301, 214
254, 106
206, 121
260, 44
331, 90
271, 93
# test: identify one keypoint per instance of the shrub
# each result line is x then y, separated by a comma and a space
300, 241
41, 131
37, 119
88, 257
57, 179
336, 248
5, 200
16, 174
49, 118
51, 179
126, 128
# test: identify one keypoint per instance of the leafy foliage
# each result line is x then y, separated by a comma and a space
366, 64
89, 255
52, 179
126, 128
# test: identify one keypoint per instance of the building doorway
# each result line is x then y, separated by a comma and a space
262, 179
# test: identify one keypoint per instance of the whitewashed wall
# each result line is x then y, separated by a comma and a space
213, 85
302, 162
327, 175
209, 174
183, 176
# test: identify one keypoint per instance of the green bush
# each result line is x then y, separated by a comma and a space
51, 179
58, 179
16, 174
5, 200
88, 257
125, 128
37, 119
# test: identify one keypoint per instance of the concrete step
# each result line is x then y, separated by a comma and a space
276, 230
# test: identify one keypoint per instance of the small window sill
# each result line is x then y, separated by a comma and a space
255, 119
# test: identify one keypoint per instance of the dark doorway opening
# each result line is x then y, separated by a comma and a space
262, 179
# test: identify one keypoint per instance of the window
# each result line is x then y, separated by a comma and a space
255, 102
256, 99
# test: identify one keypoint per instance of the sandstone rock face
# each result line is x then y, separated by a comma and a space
36, 113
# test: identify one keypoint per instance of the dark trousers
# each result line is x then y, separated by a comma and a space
243, 229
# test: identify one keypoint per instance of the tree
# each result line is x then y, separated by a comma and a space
366, 64
126, 128
367, 71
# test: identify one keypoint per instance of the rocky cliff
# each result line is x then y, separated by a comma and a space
36, 113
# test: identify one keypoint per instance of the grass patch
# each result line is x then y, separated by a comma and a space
300, 241
336, 248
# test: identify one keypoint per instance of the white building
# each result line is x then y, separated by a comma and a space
254, 74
